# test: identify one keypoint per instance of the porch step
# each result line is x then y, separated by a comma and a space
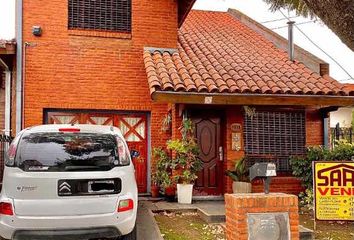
211, 217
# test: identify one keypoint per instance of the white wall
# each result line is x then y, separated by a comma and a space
343, 116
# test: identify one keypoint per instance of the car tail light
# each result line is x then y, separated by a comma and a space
11, 154
69, 130
6, 208
125, 205
122, 152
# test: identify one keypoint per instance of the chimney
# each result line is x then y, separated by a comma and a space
291, 40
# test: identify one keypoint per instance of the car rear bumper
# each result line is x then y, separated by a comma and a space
18, 226
67, 234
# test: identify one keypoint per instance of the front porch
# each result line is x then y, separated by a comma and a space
228, 133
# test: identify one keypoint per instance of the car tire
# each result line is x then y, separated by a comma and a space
130, 236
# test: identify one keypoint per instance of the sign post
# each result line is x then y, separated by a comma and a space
334, 190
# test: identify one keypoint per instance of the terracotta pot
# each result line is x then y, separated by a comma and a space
241, 187
170, 193
155, 191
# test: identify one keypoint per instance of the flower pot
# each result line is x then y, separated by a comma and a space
170, 193
155, 191
241, 187
184, 193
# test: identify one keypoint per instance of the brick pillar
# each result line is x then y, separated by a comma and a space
239, 205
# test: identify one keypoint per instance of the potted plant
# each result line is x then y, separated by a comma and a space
240, 177
163, 172
155, 187
185, 161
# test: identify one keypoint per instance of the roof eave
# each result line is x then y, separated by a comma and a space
252, 99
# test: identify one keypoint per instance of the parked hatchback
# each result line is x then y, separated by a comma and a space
68, 182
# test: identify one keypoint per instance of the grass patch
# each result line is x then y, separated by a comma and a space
328, 230
187, 226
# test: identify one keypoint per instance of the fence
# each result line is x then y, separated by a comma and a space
4, 144
339, 133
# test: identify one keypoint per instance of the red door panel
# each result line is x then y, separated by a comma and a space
132, 126
210, 178
134, 130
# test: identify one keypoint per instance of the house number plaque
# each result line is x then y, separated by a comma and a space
236, 136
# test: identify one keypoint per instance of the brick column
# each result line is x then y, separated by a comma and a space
239, 205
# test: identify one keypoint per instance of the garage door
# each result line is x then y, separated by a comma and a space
133, 127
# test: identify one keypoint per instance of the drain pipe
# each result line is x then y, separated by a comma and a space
7, 129
291, 40
19, 70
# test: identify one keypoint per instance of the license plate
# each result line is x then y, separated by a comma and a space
101, 186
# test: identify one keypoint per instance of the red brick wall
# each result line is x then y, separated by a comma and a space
237, 206
314, 128
66, 69
71, 69
233, 115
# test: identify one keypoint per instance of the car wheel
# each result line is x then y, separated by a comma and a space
130, 236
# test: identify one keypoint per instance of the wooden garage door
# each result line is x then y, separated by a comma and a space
132, 126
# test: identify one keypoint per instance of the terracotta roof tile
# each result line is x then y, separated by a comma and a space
217, 54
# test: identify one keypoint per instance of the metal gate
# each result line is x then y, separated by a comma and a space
4, 145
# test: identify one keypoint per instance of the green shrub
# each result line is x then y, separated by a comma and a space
302, 166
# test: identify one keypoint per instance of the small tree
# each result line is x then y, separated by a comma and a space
186, 153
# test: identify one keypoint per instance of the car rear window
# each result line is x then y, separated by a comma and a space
58, 151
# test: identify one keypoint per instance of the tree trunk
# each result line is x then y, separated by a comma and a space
338, 15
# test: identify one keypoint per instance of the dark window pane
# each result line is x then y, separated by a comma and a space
274, 136
66, 152
112, 15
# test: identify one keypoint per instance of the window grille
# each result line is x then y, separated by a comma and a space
274, 136
109, 15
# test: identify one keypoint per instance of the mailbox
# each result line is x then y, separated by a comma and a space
265, 172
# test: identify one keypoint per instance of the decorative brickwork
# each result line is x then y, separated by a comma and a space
238, 205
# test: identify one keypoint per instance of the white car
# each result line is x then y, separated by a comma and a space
68, 182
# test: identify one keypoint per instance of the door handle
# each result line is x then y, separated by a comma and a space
221, 154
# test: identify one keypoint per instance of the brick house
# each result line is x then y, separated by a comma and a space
135, 63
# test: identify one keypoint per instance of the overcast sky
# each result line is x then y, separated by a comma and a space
257, 10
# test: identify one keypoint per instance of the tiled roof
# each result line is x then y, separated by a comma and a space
3, 43
218, 54
349, 87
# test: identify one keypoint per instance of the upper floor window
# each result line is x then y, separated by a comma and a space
108, 15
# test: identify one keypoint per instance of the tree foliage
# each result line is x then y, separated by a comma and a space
338, 15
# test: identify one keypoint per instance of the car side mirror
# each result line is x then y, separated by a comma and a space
134, 153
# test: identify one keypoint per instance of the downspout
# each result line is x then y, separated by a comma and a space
7, 129
19, 70
326, 132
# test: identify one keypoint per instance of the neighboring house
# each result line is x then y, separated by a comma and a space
133, 67
7, 69
7, 62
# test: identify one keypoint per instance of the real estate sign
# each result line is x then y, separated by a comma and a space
334, 190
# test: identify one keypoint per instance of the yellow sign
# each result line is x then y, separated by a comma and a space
334, 190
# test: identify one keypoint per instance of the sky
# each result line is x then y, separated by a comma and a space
259, 11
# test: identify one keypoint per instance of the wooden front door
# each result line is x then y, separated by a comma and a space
208, 135
132, 126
